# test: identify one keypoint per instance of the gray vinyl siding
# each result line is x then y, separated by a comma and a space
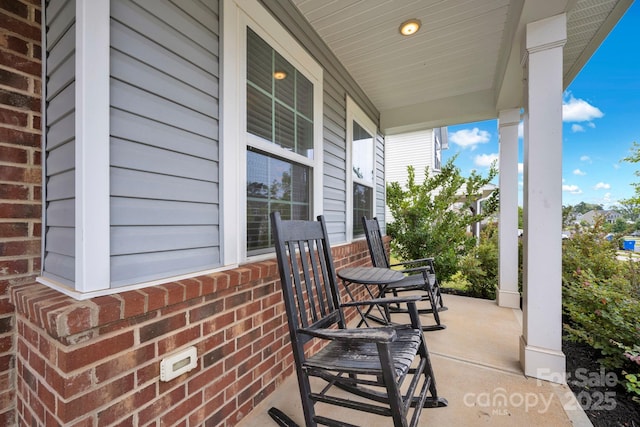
164, 149
59, 251
380, 190
164, 137
335, 190
334, 174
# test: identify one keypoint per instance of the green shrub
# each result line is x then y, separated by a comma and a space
602, 312
480, 265
631, 380
431, 218
458, 282
587, 249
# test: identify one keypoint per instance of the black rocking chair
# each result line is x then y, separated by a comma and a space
420, 276
387, 368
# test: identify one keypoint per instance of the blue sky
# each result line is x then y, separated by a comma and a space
601, 119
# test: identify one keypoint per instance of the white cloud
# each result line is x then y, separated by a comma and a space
616, 166
579, 110
607, 197
576, 128
579, 172
520, 168
602, 186
485, 160
573, 189
585, 159
470, 137
591, 125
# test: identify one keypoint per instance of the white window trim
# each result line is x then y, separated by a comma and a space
355, 113
237, 15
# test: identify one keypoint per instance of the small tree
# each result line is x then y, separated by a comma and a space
431, 218
630, 209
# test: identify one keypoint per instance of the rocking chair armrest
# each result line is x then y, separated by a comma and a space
383, 301
426, 268
428, 260
373, 335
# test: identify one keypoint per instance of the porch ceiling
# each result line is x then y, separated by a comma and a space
465, 62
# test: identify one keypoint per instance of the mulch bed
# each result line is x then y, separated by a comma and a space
605, 404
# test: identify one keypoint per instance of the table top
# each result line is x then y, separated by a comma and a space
370, 275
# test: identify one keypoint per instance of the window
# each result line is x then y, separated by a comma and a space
437, 150
361, 134
440, 142
271, 131
280, 141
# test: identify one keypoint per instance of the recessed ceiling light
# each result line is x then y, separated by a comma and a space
410, 27
279, 75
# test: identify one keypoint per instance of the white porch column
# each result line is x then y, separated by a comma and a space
508, 295
541, 343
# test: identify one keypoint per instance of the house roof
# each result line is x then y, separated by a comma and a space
465, 62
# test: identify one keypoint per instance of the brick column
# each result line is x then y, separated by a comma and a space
20, 172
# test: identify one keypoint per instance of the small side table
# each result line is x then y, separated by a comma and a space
372, 278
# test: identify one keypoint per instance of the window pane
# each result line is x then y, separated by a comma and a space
273, 184
258, 227
259, 60
284, 86
300, 211
362, 153
304, 96
300, 184
362, 205
305, 137
279, 99
284, 128
259, 117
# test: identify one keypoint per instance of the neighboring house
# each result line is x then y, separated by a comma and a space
420, 149
144, 142
610, 216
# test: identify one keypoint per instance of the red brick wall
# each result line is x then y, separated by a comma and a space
96, 362
20, 172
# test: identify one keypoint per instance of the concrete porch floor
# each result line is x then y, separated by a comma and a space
475, 360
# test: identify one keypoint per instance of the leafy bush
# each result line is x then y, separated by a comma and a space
589, 250
458, 282
602, 312
480, 265
431, 219
601, 301
631, 380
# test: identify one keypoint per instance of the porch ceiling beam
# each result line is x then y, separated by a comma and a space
439, 112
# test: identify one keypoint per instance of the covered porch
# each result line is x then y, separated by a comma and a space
126, 199
477, 370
